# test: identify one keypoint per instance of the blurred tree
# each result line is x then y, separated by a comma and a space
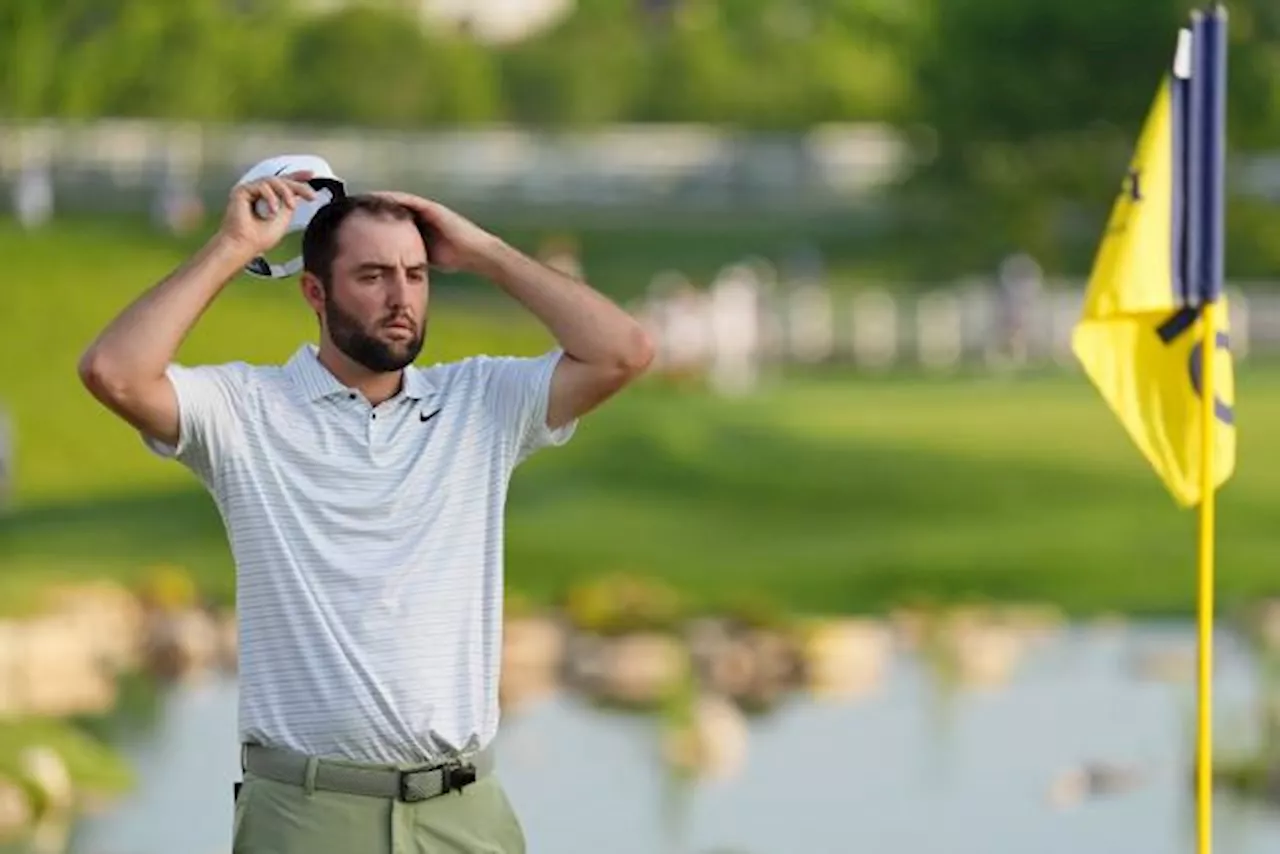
29, 56
593, 67
360, 64
464, 80
861, 58
784, 63
200, 59
379, 64
1030, 103
1255, 73
1033, 109
1023, 99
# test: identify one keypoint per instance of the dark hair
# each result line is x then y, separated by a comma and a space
320, 240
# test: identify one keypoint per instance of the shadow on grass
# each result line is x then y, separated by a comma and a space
840, 524
717, 505
764, 472
122, 537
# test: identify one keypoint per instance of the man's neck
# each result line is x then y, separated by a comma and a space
376, 387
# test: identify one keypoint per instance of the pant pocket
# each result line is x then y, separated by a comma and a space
277, 818
239, 808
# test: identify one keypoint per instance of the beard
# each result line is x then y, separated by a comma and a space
383, 357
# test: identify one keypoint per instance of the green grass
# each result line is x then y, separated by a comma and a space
856, 495
827, 494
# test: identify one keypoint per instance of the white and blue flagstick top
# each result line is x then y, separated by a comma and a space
1182, 55
1209, 123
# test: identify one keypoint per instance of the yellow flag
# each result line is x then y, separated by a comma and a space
1139, 336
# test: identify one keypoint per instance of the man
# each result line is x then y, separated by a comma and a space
363, 499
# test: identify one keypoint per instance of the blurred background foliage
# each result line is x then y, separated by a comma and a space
1024, 111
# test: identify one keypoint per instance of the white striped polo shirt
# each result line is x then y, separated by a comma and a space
368, 543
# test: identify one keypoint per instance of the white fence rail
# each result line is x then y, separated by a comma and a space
118, 164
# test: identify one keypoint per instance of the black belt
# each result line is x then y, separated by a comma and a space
409, 785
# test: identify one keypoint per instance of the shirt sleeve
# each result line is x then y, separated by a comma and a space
210, 399
517, 391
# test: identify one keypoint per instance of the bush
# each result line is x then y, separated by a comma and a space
621, 603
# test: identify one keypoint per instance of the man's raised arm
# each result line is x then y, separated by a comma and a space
605, 348
125, 366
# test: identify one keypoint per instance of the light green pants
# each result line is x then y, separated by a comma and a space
277, 818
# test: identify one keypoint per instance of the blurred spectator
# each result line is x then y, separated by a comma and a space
735, 330
678, 313
177, 208
33, 195
1020, 284
809, 312
810, 322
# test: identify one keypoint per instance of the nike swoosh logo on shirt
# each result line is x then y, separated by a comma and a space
424, 417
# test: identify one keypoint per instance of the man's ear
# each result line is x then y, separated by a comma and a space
312, 291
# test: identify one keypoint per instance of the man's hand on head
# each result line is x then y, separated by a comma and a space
457, 244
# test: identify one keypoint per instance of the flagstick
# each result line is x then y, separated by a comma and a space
1212, 67
1204, 748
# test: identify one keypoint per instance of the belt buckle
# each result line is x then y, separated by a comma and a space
455, 776
409, 793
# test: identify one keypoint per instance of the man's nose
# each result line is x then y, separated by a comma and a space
398, 288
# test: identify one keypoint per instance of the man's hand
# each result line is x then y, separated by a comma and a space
242, 228
605, 348
125, 367
457, 244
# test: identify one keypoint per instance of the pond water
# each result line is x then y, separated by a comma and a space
907, 768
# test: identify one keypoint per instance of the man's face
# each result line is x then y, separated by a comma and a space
376, 310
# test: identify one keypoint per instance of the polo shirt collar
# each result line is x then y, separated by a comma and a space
316, 383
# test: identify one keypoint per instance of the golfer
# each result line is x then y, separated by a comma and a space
363, 500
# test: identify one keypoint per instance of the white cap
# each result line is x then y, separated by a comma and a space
327, 185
